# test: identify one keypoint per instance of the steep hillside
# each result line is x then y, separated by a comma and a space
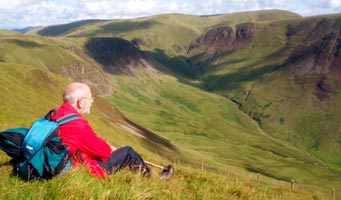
29, 90
272, 70
64, 57
306, 106
218, 42
193, 87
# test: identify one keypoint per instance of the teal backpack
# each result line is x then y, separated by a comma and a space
41, 153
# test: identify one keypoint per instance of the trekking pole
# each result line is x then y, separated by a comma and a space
155, 165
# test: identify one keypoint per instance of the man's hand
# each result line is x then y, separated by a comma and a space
113, 148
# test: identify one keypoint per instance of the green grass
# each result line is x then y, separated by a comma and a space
188, 183
197, 136
206, 127
281, 107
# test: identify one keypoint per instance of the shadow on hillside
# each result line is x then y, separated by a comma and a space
235, 80
176, 64
152, 138
119, 56
116, 55
247, 73
58, 30
25, 43
124, 27
264, 173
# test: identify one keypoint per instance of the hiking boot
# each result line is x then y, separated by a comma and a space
143, 169
167, 172
146, 171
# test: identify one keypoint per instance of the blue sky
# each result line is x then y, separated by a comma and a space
25, 13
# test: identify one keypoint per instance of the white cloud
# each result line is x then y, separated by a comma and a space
138, 5
6, 5
335, 3
23, 13
14, 4
174, 6
212, 3
94, 7
40, 13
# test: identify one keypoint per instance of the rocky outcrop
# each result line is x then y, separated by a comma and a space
219, 41
317, 59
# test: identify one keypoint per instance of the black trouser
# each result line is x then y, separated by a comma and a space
120, 158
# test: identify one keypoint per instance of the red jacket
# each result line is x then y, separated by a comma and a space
79, 136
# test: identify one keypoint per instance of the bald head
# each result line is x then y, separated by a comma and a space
79, 96
75, 91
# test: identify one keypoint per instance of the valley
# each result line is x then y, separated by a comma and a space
254, 92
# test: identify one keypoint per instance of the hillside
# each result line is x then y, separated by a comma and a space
34, 84
222, 89
289, 83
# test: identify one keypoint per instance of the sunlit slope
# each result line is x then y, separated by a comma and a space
293, 92
62, 56
34, 72
29, 92
293, 113
208, 128
284, 74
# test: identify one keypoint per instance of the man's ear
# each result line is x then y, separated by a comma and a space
80, 104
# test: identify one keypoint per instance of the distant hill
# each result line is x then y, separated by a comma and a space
25, 30
8, 32
60, 30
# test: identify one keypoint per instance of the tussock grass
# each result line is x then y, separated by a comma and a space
188, 183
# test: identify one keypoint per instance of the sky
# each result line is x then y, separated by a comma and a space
27, 13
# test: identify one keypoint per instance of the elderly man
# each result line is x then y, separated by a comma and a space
100, 158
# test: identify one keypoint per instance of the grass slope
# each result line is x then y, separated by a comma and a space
281, 106
33, 91
203, 126
187, 184
207, 128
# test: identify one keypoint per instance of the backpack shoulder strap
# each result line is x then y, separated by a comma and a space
67, 118
50, 113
